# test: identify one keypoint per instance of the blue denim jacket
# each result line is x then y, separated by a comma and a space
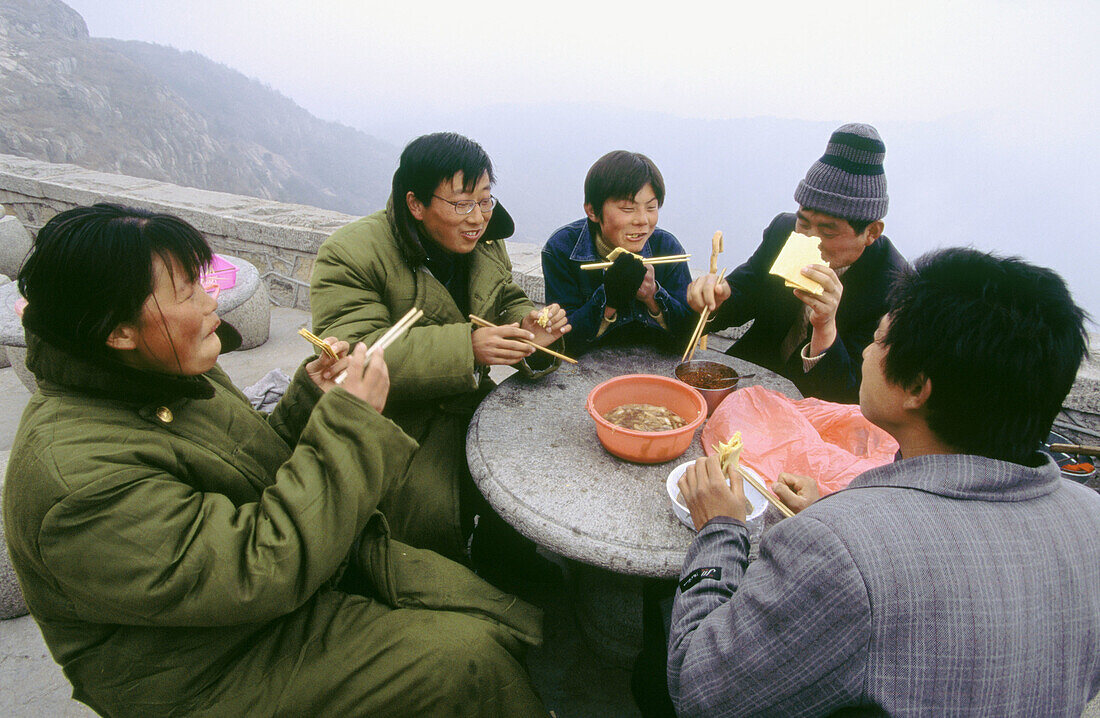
581, 294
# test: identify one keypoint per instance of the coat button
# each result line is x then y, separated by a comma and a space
164, 414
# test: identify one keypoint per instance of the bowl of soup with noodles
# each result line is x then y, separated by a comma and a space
646, 418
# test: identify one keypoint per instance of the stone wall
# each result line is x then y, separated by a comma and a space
280, 239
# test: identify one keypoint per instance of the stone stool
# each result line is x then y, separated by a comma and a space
12, 339
11, 597
15, 243
245, 305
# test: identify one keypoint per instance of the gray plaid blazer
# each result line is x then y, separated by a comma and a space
935, 586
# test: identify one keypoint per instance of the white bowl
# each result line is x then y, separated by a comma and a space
759, 503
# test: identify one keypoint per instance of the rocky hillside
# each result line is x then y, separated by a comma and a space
151, 111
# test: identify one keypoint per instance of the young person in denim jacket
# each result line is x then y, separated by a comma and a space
630, 301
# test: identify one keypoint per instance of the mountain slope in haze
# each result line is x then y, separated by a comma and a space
150, 111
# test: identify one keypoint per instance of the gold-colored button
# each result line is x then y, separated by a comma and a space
164, 414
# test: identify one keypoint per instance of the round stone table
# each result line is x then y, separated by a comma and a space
533, 452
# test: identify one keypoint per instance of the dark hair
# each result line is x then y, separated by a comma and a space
858, 225
91, 269
429, 160
1000, 339
621, 175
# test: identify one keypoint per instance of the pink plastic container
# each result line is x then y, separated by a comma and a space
224, 271
646, 447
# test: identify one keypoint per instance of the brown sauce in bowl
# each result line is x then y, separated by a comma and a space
702, 379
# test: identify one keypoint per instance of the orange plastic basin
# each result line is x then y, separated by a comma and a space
646, 447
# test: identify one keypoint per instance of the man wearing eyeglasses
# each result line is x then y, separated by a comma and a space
437, 246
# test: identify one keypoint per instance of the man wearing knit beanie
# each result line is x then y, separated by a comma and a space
816, 341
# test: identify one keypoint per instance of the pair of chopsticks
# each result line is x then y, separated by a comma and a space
1082, 449
669, 259
766, 493
697, 335
482, 323
318, 342
389, 337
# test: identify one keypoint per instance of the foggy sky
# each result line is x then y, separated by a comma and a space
804, 60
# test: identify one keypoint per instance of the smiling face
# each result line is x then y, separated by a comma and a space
840, 245
457, 233
627, 223
175, 332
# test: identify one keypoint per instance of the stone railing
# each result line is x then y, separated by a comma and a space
280, 239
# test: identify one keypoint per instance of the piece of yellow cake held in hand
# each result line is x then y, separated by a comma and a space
729, 457
798, 252
544, 318
729, 453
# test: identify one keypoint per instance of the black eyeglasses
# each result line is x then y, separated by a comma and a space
465, 206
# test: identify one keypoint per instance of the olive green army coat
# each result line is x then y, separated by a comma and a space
184, 554
367, 275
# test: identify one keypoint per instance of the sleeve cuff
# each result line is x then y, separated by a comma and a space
724, 520
809, 362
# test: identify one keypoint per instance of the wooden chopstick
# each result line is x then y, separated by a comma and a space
389, 337
715, 250
689, 352
319, 343
696, 335
669, 259
482, 323
766, 492
1082, 449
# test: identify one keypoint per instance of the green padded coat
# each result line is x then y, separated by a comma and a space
367, 276
184, 554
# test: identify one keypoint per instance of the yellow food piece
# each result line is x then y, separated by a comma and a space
798, 252
544, 318
729, 453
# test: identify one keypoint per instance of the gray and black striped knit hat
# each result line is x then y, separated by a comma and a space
848, 181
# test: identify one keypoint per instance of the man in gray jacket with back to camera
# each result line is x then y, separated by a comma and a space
962, 579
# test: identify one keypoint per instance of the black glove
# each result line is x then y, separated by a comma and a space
621, 281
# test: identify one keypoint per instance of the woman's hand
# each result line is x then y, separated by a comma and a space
324, 369
708, 492
368, 377
558, 325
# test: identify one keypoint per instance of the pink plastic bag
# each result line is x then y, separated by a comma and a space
830, 442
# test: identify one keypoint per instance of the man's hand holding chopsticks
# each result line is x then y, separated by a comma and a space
796, 492
709, 493
708, 292
501, 345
